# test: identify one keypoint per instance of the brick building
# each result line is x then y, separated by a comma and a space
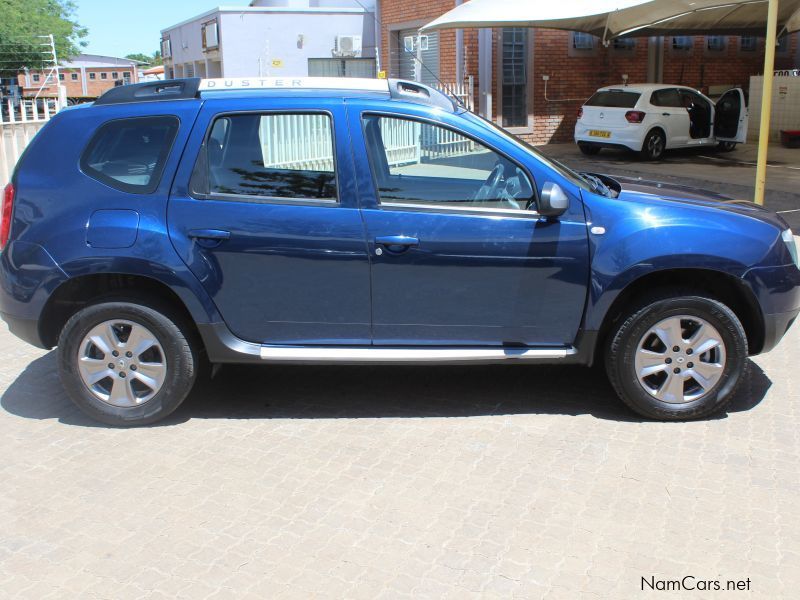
86, 76
508, 65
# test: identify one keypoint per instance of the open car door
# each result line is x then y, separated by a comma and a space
730, 117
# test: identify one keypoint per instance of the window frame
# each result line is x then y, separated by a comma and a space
527, 127
202, 161
682, 51
721, 51
116, 184
748, 50
574, 51
532, 211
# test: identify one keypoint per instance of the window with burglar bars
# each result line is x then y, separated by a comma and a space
515, 77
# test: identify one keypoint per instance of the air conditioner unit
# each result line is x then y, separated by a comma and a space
347, 45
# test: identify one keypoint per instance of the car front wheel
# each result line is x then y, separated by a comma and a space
678, 358
125, 363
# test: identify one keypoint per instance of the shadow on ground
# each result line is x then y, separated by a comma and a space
325, 392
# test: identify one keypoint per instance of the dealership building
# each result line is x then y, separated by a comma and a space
533, 81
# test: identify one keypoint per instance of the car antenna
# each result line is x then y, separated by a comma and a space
446, 87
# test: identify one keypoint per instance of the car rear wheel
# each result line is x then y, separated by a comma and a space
678, 358
126, 364
588, 149
726, 146
654, 145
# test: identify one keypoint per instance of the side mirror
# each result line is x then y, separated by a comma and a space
553, 201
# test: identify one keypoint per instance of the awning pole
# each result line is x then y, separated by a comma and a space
766, 101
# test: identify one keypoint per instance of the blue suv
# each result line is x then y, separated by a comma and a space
175, 225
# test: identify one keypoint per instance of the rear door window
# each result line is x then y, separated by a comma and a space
129, 154
667, 98
614, 99
262, 156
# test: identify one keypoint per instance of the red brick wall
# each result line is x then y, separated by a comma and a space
94, 87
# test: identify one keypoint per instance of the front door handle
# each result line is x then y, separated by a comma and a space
397, 243
665, 114
209, 238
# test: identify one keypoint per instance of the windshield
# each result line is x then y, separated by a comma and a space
573, 176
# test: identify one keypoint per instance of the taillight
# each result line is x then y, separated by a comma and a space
580, 112
5, 215
634, 116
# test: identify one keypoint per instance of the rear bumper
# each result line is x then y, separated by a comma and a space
626, 137
28, 275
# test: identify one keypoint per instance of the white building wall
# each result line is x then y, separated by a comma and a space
280, 44
269, 38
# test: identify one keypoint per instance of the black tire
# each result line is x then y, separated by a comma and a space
726, 146
654, 145
180, 357
624, 344
589, 149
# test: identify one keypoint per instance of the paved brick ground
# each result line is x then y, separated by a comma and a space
491, 482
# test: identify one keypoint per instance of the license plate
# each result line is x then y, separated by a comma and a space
600, 134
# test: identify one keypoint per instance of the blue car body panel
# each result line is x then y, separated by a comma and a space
473, 279
309, 273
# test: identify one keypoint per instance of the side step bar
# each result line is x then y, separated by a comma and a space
224, 347
409, 355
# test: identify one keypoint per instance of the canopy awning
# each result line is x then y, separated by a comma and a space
617, 18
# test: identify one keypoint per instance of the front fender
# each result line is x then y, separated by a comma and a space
642, 238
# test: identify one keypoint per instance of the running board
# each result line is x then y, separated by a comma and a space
367, 354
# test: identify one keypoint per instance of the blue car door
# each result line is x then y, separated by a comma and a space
458, 254
264, 212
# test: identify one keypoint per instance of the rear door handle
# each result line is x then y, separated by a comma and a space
397, 243
665, 114
209, 238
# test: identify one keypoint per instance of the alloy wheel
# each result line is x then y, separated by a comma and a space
680, 359
122, 363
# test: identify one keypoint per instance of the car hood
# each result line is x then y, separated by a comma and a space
641, 190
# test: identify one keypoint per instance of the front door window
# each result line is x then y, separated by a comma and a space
418, 163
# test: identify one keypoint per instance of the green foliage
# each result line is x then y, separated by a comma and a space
147, 59
22, 22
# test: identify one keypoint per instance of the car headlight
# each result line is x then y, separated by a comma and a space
791, 243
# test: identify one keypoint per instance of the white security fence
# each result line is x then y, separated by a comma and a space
18, 125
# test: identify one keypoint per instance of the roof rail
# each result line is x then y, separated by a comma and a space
170, 89
184, 89
417, 92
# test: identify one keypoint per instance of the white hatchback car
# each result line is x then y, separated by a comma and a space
651, 118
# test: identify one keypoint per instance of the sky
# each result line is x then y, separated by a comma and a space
117, 28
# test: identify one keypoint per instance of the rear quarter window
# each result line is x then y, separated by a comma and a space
614, 99
129, 154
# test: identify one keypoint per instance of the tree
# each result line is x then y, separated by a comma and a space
148, 60
24, 25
